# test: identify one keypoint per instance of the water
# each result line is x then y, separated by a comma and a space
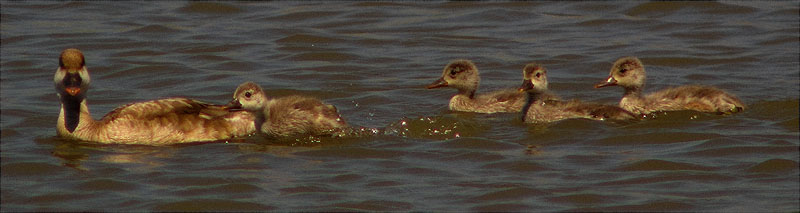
372, 60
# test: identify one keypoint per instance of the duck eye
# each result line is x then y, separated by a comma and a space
248, 94
453, 72
623, 70
538, 75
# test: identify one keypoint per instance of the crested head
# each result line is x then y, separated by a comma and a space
71, 77
250, 96
534, 77
71, 59
461, 74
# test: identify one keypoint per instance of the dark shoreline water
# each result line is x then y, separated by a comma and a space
372, 60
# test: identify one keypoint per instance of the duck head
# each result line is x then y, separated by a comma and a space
460, 74
71, 82
627, 72
71, 78
534, 78
248, 96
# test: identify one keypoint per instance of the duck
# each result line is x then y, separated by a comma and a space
629, 73
156, 122
545, 107
463, 75
289, 116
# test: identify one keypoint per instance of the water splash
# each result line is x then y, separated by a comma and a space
434, 127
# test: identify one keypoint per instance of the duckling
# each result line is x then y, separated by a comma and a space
628, 72
288, 116
463, 75
157, 122
545, 107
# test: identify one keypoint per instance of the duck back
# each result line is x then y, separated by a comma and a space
598, 111
691, 97
546, 111
298, 115
166, 121
506, 100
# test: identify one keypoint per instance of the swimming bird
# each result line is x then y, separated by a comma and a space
157, 122
463, 75
288, 116
544, 107
628, 72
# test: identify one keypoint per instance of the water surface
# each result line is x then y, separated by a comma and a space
372, 60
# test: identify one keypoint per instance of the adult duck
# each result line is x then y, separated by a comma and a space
157, 122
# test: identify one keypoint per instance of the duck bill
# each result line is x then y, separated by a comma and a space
73, 91
526, 85
438, 83
72, 83
234, 105
609, 82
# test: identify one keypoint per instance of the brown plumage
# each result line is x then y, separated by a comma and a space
288, 116
463, 75
629, 73
157, 122
545, 107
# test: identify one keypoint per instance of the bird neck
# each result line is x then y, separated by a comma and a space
74, 113
635, 91
467, 92
532, 97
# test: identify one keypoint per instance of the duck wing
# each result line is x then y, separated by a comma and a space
507, 95
695, 97
602, 111
299, 115
315, 109
595, 110
163, 107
